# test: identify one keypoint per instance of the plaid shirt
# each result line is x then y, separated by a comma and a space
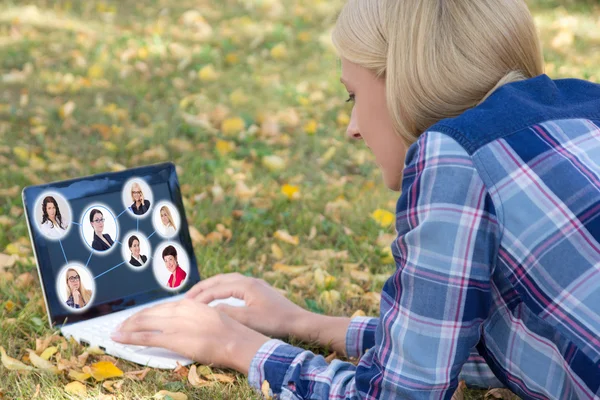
498, 250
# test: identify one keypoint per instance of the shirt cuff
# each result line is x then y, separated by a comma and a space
271, 363
360, 335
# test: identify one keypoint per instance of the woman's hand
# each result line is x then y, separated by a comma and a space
193, 330
76, 296
266, 310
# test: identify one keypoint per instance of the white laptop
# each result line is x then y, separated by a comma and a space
109, 245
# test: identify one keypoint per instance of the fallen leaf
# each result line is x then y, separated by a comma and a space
66, 110
181, 370
13, 364
274, 163
7, 261
112, 386
232, 126
498, 393
290, 269
459, 393
284, 236
331, 357
24, 280
138, 375
95, 350
104, 370
330, 298
42, 364
49, 352
276, 251
265, 389
195, 380
222, 378
76, 388
78, 376
164, 394
358, 313
361, 276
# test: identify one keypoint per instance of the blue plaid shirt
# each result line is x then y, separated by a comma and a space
497, 256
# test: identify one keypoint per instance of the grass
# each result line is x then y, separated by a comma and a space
95, 86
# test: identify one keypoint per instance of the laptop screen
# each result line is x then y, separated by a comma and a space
109, 242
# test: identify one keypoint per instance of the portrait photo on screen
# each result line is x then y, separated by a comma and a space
53, 215
75, 287
136, 250
137, 197
99, 228
171, 265
166, 219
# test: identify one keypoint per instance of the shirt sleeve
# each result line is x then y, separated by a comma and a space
360, 335
431, 308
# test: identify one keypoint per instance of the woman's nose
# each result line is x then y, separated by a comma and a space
352, 131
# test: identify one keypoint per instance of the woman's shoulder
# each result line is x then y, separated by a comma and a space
146, 202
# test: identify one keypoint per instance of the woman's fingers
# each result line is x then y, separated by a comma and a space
222, 291
145, 338
211, 282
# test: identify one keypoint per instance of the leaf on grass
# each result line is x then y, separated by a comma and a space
276, 251
42, 364
95, 350
459, 394
49, 352
42, 344
181, 370
79, 376
499, 394
265, 389
290, 269
302, 281
7, 261
223, 378
164, 394
13, 364
138, 375
82, 359
326, 255
284, 236
358, 313
331, 357
104, 370
195, 380
274, 163
112, 386
76, 388
9, 305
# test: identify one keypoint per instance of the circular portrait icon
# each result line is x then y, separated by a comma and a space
99, 228
137, 197
53, 215
171, 265
136, 250
75, 287
166, 219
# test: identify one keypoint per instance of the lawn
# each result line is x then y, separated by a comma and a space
244, 97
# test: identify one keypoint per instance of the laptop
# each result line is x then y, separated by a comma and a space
109, 245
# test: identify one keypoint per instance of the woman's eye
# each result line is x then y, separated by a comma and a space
351, 98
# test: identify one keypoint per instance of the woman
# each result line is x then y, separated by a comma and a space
52, 220
178, 275
140, 205
100, 241
77, 295
137, 259
497, 243
169, 228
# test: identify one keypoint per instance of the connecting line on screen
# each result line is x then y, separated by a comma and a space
107, 271
119, 242
151, 234
75, 223
123, 212
63, 250
88, 261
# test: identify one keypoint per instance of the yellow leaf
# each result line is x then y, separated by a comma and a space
49, 352
112, 386
383, 217
274, 163
173, 395
142, 53
224, 147
279, 51
42, 364
276, 251
13, 364
78, 376
104, 370
9, 305
330, 298
21, 153
194, 379
319, 277
311, 127
284, 236
292, 192
66, 110
302, 281
76, 388
265, 389
232, 58
208, 73
232, 126
358, 313
95, 72
330, 281
221, 378
290, 269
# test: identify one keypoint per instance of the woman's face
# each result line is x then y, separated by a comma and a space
73, 280
371, 121
98, 223
164, 217
170, 263
51, 210
135, 248
136, 192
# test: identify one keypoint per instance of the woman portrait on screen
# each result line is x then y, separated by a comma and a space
53, 225
178, 275
140, 205
168, 224
101, 241
137, 259
77, 295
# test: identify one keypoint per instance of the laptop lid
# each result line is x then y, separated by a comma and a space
109, 242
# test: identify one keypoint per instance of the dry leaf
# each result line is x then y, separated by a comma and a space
331, 357
284, 236
112, 386
361, 276
76, 388
82, 359
326, 255
49, 352
313, 233
181, 370
173, 395
358, 313
302, 281
195, 380
138, 375
290, 269
459, 394
276, 251
13, 364
7, 261
95, 350
499, 394
265, 389
221, 378
104, 370
274, 163
42, 364
78, 376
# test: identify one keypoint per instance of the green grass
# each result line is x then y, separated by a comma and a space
138, 100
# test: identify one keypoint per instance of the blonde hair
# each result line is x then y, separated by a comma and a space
169, 217
133, 187
438, 57
86, 294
